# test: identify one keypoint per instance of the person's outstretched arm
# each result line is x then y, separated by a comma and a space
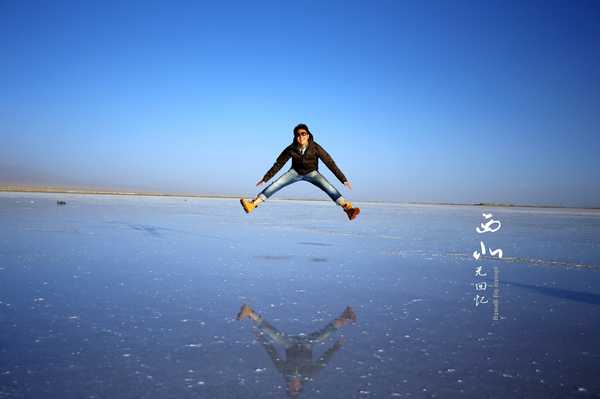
281, 160
326, 158
271, 351
326, 357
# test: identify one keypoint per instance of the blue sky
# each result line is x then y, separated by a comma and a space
435, 101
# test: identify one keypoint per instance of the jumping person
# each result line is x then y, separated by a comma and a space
305, 154
298, 366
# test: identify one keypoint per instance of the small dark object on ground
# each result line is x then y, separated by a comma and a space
61, 202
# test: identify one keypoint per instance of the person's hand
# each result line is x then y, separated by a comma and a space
260, 182
348, 184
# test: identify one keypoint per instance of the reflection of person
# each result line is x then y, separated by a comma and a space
299, 366
305, 154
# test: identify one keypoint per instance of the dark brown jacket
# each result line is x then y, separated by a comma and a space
306, 163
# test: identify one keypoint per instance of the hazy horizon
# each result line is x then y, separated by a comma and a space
90, 190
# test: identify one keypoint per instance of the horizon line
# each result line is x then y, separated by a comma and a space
73, 190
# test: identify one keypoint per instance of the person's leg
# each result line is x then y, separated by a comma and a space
322, 334
263, 325
347, 316
266, 328
289, 177
320, 181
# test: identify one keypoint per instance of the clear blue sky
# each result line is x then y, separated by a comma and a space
440, 102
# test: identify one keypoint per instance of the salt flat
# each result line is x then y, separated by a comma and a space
125, 296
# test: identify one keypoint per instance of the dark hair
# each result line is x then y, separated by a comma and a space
302, 126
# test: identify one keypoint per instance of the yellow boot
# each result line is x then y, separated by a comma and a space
346, 317
351, 212
245, 311
247, 205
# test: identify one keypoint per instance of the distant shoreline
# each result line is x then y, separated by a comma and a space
64, 190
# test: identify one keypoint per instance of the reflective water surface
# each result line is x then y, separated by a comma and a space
141, 297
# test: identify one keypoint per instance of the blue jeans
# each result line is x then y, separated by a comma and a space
287, 341
291, 176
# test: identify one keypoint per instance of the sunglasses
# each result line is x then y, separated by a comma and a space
302, 134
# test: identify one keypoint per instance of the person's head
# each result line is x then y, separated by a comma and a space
302, 135
294, 386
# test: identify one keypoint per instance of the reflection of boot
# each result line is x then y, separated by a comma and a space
351, 212
347, 316
247, 205
245, 311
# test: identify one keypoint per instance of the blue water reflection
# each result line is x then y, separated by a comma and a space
127, 297
297, 366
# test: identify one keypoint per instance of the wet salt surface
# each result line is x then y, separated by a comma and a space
123, 297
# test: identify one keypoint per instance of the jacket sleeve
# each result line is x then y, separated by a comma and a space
281, 160
325, 358
271, 351
326, 158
